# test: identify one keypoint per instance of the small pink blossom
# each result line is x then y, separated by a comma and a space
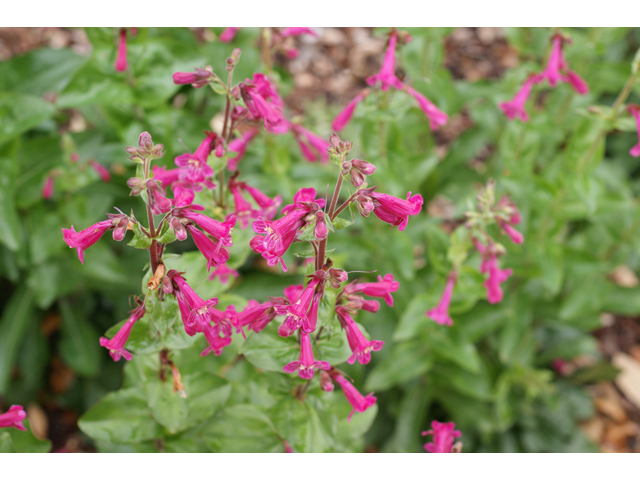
228, 34
212, 251
396, 211
244, 211
164, 176
635, 111
194, 169
220, 231
440, 314
383, 288
102, 171
198, 79
85, 238
344, 117
223, 273
239, 145
557, 66
361, 348
437, 117
496, 277
47, 188
355, 398
315, 146
387, 75
13, 418
444, 435
196, 312
268, 206
116, 344
515, 236
326, 384
296, 313
515, 107
297, 31
121, 61
217, 343
306, 364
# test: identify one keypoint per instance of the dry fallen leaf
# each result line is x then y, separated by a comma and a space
628, 380
624, 276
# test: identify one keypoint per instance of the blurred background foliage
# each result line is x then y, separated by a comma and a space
567, 170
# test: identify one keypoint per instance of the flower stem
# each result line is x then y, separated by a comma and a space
322, 248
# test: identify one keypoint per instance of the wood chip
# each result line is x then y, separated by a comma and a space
628, 380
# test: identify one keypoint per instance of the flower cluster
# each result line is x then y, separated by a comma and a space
277, 38
386, 79
557, 71
505, 215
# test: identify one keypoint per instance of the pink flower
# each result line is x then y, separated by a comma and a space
440, 314
443, 437
194, 167
243, 209
506, 205
158, 202
395, 211
216, 342
315, 142
47, 188
223, 273
256, 316
164, 176
259, 107
514, 235
102, 171
325, 382
496, 277
383, 288
239, 145
635, 111
85, 238
387, 76
557, 65
344, 117
220, 231
359, 345
515, 107
437, 118
355, 398
200, 311
296, 313
215, 254
269, 206
297, 31
306, 364
577, 82
198, 79
321, 231
116, 344
121, 61
13, 418
228, 34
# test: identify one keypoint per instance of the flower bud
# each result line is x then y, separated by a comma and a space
284, 330
178, 228
321, 231
130, 151
135, 182
145, 142
365, 167
346, 167
326, 383
167, 286
121, 229
157, 151
338, 274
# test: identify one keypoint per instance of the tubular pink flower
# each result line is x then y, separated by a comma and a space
319, 144
359, 345
577, 82
370, 306
239, 145
325, 382
292, 293
221, 231
200, 311
437, 117
321, 231
296, 313
496, 277
116, 344
355, 398
158, 202
216, 342
256, 316
387, 76
47, 188
344, 117
635, 111
215, 254
102, 171
297, 31
514, 235
228, 34
556, 65
121, 61
243, 209
443, 437
193, 167
185, 312
85, 238
440, 314
164, 176
223, 273
198, 79
269, 206
259, 107
505, 203
383, 288
515, 107
395, 211
13, 418
304, 199
306, 364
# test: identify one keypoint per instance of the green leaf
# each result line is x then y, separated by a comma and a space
25, 442
404, 362
21, 112
168, 408
140, 240
300, 424
340, 223
79, 345
242, 429
15, 320
206, 394
269, 351
9, 221
120, 417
